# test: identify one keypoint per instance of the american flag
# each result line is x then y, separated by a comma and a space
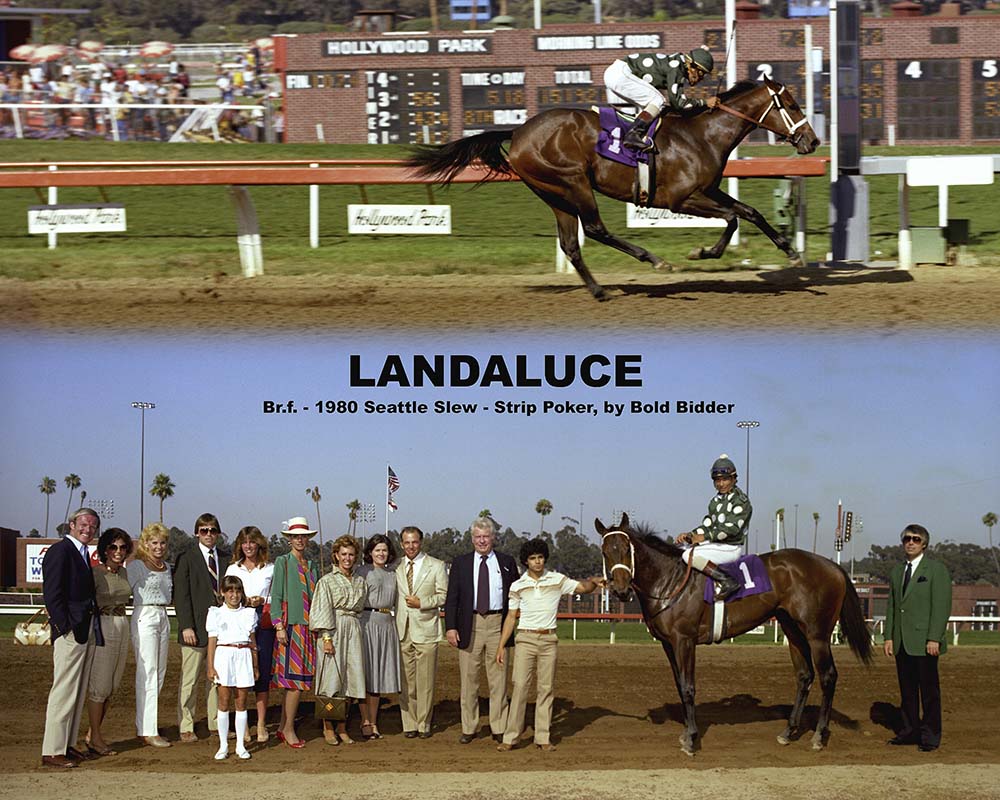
393, 487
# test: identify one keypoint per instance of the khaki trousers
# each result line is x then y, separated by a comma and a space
534, 658
71, 664
485, 639
416, 696
193, 673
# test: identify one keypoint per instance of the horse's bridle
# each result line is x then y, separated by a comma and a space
776, 103
630, 568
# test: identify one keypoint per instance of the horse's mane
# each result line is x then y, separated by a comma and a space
737, 89
656, 543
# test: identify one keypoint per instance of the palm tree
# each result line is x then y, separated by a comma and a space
543, 507
72, 482
316, 497
162, 488
781, 526
989, 520
815, 529
353, 508
48, 488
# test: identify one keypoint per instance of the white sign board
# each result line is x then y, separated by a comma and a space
33, 555
949, 170
665, 218
398, 219
98, 218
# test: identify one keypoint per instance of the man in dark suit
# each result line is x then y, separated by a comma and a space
916, 624
474, 612
196, 589
71, 601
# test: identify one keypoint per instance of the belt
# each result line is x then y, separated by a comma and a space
114, 611
542, 631
488, 613
380, 610
157, 605
240, 645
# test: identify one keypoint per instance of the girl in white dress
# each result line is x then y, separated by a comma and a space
232, 660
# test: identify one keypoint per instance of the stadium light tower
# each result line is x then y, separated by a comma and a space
748, 424
142, 406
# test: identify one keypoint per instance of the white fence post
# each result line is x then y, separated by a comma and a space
314, 212
53, 199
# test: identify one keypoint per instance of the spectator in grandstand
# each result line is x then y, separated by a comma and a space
84, 95
183, 79
113, 593
225, 85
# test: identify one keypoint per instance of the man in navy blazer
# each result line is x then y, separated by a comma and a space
71, 601
474, 611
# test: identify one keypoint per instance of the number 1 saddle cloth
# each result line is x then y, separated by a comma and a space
749, 572
614, 124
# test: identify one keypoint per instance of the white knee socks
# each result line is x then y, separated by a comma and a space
241, 732
223, 718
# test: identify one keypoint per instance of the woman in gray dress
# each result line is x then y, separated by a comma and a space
337, 604
379, 629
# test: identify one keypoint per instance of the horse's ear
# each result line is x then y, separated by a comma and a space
599, 526
624, 522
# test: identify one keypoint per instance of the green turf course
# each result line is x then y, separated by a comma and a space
592, 632
190, 231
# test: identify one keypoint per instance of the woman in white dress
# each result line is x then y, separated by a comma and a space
337, 605
250, 565
232, 660
152, 589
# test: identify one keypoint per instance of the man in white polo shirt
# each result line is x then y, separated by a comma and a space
535, 599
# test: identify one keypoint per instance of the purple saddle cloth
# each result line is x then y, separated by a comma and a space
609, 142
749, 572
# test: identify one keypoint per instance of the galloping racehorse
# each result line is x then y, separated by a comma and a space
809, 594
554, 154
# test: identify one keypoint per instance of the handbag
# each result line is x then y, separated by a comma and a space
266, 623
31, 631
330, 708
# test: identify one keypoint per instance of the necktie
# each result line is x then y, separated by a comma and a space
85, 553
483, 590
409, 578
906, 576
213, 571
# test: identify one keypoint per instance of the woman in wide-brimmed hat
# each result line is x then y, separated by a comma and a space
292, 588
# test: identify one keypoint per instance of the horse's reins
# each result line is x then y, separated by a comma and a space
630, 568
775, 102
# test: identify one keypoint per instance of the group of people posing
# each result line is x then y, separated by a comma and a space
361, 631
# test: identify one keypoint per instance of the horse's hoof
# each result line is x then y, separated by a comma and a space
817, 742
662, 265
783, 740
601, 296
696, 254
796, 261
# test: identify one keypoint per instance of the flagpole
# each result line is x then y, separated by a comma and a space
387, 499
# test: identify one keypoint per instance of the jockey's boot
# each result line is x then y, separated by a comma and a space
635, 136
724, 585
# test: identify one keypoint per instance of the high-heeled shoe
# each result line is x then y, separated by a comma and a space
376, 734
331, 738
279, 735
367, 731
344, 738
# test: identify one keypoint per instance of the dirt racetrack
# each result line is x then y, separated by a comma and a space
616, 725
846, 298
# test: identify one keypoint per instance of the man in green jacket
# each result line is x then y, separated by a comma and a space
916, 622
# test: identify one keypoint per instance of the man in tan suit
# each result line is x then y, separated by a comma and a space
422, 584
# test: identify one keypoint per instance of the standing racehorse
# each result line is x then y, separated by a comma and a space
809, 594
554, 154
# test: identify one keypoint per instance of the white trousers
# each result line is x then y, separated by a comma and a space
716, 552
150, 640
622, 84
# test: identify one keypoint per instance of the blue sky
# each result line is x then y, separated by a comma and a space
903, 429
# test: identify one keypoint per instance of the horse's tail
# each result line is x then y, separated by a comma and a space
444, 162
852, 622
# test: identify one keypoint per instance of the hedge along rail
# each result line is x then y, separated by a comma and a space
238, 175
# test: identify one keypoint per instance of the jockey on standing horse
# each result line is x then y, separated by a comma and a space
639, 78
724, 529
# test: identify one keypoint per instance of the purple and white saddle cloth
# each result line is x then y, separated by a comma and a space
609, 142
749, 572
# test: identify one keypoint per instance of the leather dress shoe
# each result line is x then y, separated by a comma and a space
498, 738
503, 747
77, 755
426, 735
157, 741
927, 748
546, 748
902, 740
465, 738
58, 761
410, 734
189, 736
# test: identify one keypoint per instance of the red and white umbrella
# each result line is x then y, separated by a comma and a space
266, 43
156, 49
91, 48
23, 51
49, 52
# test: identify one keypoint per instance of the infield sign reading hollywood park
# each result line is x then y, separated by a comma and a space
99, 218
